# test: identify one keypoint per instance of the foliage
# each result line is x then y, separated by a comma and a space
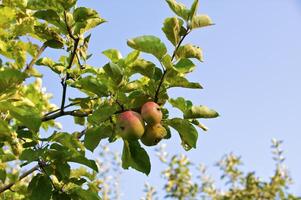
237, 184
27, 29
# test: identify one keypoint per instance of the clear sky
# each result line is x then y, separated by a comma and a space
251, 76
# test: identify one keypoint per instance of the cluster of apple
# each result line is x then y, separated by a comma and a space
132, 124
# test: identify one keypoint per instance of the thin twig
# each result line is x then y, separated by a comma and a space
57, 110
35, 58
75, 113
27, 173
165, 71
73, 54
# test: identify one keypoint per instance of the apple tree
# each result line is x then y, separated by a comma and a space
123, 100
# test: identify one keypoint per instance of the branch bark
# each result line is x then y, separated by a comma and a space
27, 173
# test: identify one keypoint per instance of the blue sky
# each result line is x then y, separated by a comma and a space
251, 76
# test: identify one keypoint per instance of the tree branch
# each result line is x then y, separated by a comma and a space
35, 58
27, 173
64, 82
165, 71
73, 54
57, 110
75, 113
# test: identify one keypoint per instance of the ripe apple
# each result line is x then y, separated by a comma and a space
130, 125
153, 134
151, 113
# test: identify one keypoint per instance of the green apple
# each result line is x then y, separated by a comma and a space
153, 134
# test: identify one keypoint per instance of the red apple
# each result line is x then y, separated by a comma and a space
151, 113
130, 125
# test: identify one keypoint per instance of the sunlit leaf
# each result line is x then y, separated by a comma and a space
200, 21
92, 85
188, 133
10, 79
179, 9
193, 9
27, 115
184, 66
85, 19
181, 103
95, 134
189, 51
113, 54
148, 44
172, 28
200, 112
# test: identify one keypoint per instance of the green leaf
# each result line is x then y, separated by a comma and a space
114, 71
131, 57
62, 153
187, 131
27, 115
40, 188
184, 66
31, 155
55, 43
10, 79
69, 141
148, 44
167, 62
56, 67
82, 194
133, 155
184, 83
95, 134
84, 161
172, 28
144, 67
2, 175
200, 112
179, 9
50, 16
85, 19
79, 120
189, 51
4, 130
113, 54
193, 9
45, 61
59, 5
102, 113
181, 103
57, 195
62, 170
200, 21
92, 85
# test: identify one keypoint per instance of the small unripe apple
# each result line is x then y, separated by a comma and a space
130, 125
153, 134
151, 113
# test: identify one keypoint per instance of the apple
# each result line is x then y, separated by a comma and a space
130, 125
153, 134
151, 113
